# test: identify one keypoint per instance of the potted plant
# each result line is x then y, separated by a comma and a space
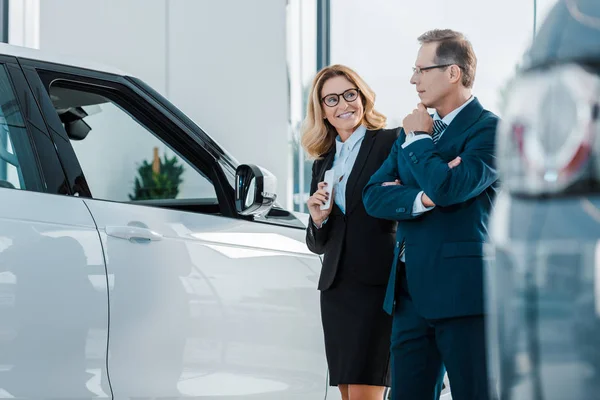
159, 179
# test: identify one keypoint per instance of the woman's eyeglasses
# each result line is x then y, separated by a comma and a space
332, 100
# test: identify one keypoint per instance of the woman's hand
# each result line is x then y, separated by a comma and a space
315, 202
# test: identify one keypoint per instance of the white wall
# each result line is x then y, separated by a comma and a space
382, 47
24, 23
223, 62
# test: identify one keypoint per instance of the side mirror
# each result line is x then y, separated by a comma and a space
254, 190
75, 126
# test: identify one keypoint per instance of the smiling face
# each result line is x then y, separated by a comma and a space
347, 114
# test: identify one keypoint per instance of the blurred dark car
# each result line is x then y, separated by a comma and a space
544, 281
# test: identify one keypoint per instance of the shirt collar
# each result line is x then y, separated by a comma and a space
448, 118
352, 141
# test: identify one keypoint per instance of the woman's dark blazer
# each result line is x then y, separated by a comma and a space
364, 244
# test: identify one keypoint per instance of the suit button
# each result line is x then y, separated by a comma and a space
415, 161
411, 154
400, 210
397, 244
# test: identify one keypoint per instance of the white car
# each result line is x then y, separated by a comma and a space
181, 290
119, 281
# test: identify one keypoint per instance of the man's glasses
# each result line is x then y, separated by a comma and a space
332, 100
419, 70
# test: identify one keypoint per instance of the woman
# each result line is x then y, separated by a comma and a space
343, 131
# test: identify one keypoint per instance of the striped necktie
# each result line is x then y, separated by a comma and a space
438, 127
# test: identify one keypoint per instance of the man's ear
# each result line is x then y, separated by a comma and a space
455, 73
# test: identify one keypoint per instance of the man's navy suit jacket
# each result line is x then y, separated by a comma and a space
444, 247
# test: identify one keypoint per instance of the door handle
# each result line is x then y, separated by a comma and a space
133, 233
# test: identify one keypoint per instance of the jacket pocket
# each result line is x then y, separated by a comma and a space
462, 249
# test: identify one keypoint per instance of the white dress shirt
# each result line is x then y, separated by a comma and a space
343, 162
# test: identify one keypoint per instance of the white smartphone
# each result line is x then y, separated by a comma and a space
329, 177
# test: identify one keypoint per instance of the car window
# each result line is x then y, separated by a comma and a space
123, 159
16, 155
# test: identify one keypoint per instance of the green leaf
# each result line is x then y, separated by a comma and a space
163, 185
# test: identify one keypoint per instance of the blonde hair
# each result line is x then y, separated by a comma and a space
318, 135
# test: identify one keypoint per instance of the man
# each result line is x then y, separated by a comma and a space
439, 183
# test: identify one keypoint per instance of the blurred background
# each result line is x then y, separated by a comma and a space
241, 69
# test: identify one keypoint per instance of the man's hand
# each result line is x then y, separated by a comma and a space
455, 163
396, 182
424, 198
427, 201
419, 120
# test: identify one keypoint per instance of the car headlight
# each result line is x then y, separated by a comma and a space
547, 138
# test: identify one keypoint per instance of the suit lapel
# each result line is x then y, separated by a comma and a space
326, 164
463, 121
361, 159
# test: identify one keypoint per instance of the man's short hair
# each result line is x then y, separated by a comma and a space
453, 48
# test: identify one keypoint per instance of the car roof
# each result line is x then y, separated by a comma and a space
40, 55
73, 61
571, 32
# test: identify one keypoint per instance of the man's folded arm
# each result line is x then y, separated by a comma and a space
446, 186
393, 202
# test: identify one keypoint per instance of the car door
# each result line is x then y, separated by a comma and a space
202, 303
53, 290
